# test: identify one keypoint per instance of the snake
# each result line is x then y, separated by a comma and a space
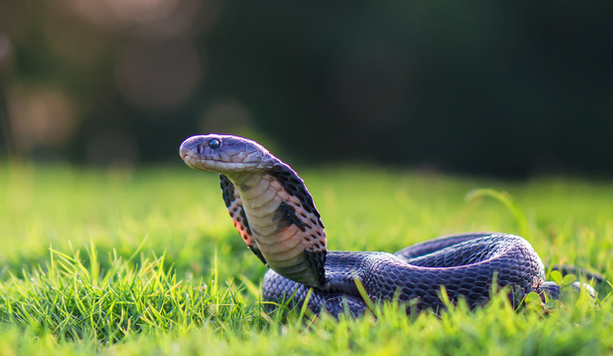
274, 213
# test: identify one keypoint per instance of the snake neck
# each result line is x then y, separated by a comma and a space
275, 214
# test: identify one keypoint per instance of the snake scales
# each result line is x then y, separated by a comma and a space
274, 213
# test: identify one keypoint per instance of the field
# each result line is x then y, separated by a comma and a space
147, 262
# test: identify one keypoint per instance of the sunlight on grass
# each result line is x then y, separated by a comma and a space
147, 262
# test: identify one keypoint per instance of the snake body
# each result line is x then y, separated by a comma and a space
275, 214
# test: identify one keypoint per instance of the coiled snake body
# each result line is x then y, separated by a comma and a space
274, 213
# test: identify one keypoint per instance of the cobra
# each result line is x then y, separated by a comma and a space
275, 214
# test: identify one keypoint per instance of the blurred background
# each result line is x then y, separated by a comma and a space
511, 89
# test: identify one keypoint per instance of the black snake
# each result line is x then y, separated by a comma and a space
275, 215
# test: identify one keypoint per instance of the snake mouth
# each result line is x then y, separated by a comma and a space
218, 166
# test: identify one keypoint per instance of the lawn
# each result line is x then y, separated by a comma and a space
147, 262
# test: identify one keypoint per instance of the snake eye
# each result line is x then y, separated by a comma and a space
214, 143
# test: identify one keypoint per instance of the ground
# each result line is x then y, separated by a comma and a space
147, 262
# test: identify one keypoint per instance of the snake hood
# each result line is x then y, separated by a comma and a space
269, 204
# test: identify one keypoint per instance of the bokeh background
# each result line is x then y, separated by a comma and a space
511, 88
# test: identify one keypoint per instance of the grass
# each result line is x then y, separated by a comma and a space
147, 262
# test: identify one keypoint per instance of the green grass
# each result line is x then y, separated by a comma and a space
148, 263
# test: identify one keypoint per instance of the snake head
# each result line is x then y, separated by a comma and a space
225, 154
